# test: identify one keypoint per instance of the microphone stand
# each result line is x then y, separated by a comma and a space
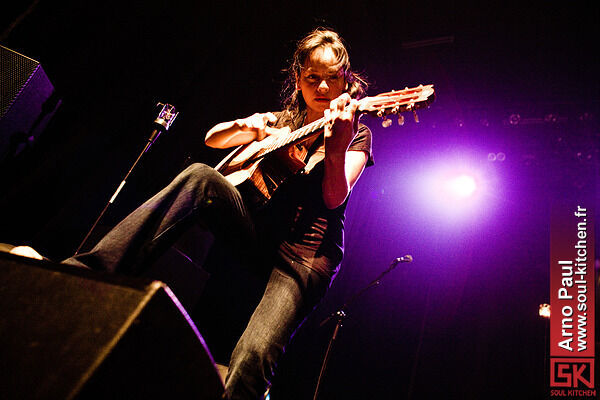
341, 314
165, 118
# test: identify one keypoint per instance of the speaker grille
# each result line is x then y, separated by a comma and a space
15, 70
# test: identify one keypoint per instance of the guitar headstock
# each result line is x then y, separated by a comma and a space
397, 102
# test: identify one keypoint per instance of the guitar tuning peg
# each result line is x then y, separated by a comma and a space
380, 113
400, 119
416, 116
386, 122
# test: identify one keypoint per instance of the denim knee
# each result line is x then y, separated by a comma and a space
199, 174
198, 170
207, 185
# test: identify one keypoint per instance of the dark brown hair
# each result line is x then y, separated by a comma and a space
319, 38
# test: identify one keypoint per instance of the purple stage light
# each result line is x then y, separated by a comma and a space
453, 188
460, 186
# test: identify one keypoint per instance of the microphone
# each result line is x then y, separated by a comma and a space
165, 118
406, 259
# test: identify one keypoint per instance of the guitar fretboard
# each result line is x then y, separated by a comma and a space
397, 101
298, 134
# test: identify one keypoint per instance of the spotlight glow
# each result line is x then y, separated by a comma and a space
461, 186
454, 188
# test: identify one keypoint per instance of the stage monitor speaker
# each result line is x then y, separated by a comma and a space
27, 102
70, 333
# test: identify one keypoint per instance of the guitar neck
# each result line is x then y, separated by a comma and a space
293, 137
392, 102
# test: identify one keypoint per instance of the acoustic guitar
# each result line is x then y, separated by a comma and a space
267, 163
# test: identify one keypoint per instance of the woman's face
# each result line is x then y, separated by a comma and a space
321, 80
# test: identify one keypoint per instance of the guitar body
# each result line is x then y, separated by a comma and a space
265, 174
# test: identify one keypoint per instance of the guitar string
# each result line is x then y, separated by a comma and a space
282, 141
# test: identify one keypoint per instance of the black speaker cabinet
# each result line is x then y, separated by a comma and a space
71, 333
27, 102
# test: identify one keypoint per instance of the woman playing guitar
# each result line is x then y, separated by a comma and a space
297, 235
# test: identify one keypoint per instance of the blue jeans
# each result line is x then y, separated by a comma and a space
201, 196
